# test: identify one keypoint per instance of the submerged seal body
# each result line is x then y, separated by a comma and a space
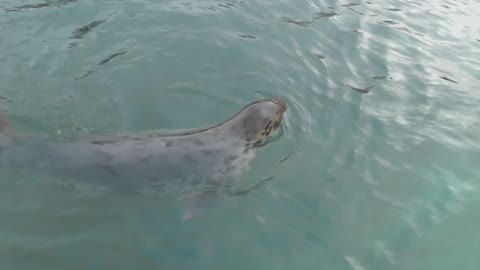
162, 159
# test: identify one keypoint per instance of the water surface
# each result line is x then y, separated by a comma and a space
380, 159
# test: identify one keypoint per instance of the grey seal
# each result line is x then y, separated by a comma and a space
199, 159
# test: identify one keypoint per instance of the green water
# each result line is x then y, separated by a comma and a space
387, 179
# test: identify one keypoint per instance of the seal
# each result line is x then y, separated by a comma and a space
199, 159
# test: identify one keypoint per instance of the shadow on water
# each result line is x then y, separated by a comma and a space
350, 5
297, 22
448, 79
247, 36
2, 98
365, 90
82, 31
103, 62
358, 12
305, 23
110, 57
194, 6
41, 5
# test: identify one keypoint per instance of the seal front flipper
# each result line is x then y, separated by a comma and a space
199, 200
198, 203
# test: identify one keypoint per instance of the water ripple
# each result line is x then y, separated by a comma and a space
377, 165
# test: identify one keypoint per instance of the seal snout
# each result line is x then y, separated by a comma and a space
282, 103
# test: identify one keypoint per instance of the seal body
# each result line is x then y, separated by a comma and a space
137, 162
163, 160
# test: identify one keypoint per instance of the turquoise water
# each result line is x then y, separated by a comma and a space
364, 178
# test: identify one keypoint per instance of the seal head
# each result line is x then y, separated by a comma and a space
259, 121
